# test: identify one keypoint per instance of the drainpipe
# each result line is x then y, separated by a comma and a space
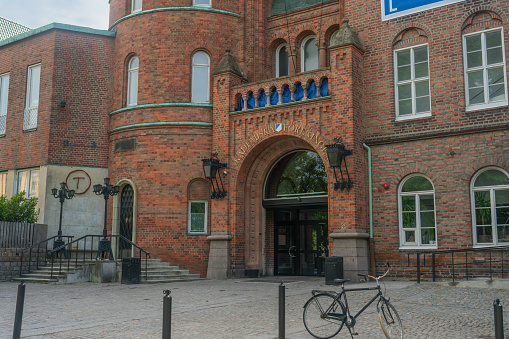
371, 239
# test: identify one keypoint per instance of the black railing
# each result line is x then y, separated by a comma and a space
41, 246
84, 252
463, 264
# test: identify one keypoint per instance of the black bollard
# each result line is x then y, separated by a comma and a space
499, 320
167, 315
281, 311
19, 310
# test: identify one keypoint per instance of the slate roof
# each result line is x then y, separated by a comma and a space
10, 28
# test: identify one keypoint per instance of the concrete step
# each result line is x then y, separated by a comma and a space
159, 281
38, 280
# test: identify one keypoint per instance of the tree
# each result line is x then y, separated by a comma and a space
18, 209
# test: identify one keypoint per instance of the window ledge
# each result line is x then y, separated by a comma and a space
419, 116
30, 130
479, 107
205, 234
416, 247
2, 135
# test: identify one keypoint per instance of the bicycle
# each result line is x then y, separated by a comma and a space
325, 313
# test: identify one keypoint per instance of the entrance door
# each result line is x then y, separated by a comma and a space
126, 220
301, 241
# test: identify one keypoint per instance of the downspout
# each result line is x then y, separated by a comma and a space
371, 239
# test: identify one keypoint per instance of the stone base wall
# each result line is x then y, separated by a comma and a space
10, 262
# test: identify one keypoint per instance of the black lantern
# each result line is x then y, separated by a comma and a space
210, 168
62, 194
105, 191
336, 154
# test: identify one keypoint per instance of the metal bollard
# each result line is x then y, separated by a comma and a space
499, 321
19, 310
167, 315
281, 311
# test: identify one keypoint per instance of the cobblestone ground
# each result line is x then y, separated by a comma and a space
237, 309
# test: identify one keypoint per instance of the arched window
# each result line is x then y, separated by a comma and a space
417, 212
203, 3
136, 6
282, 66
132, 81
201, 78
309, 54
490, 207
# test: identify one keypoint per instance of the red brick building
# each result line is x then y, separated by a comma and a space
415, 99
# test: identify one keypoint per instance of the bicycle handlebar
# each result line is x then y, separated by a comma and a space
375, 278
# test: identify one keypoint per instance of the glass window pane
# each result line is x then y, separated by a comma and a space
409, 236
283, 62
201, 59
403, 58
493, 39
502, 198
491, 177
22, 181
503, 216
405, 107
197, 222
427, 202
476, 96
503, 233
421, 54
200, 84
404, 91
422, 88
428, 236
494, 56
427, 219
482, 199
4, 94
34, 184
484, 234
197, 207
422, 104
497, 92
474, 59
475, 79
404, 73
134, 63
483, 216
304, 173
421, 70
473, 43
408, 203
136, 5
132, 97
409, 219
310, 55
3, 183
495, 75
35, 78
202, 2
417, 183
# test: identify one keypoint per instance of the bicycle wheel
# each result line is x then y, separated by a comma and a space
317, 316
390, 321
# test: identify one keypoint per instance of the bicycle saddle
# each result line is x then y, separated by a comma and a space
341, 281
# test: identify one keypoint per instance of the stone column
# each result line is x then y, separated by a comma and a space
353, 246
322, 54
219, 256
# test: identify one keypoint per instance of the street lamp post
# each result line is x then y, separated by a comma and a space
62, 194
105, 191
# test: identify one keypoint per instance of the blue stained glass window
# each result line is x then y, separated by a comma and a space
274, 97
250, 101
299, 92
324, 88
262, 100
312, 90
287, 95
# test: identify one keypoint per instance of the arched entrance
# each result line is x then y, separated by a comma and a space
126, 219
295, 197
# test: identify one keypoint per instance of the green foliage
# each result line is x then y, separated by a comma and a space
18, 209
305, 173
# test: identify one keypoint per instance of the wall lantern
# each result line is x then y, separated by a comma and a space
336, 153
210, 169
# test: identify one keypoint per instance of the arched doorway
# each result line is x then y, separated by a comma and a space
126, 220
295, 196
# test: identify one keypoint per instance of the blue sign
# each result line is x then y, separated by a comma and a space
395, 8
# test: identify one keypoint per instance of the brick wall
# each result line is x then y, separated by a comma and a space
10, 263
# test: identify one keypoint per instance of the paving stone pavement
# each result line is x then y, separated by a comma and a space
241, 308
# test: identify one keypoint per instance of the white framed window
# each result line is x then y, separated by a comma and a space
198, 217
282, 62
201, 78
4, 99
490, 207
417, 213
309, 54
203, 3
485, 69
28, 181
3, 184
132, 81
136, 6
411, 72
32, 97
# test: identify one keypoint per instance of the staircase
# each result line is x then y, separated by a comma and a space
157, 272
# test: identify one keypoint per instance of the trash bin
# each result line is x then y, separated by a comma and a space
131, 271
333, 270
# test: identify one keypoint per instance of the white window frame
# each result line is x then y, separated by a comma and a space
3, 183
133, 6
29, 181
32, 111
205, 226
302, 55
278, 49
492, 190
417, 244
130, 71
194, 66
4, 101
412, 81
484, 68
202, 5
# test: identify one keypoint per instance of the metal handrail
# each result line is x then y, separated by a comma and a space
466, 264
92, 236
38, 252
